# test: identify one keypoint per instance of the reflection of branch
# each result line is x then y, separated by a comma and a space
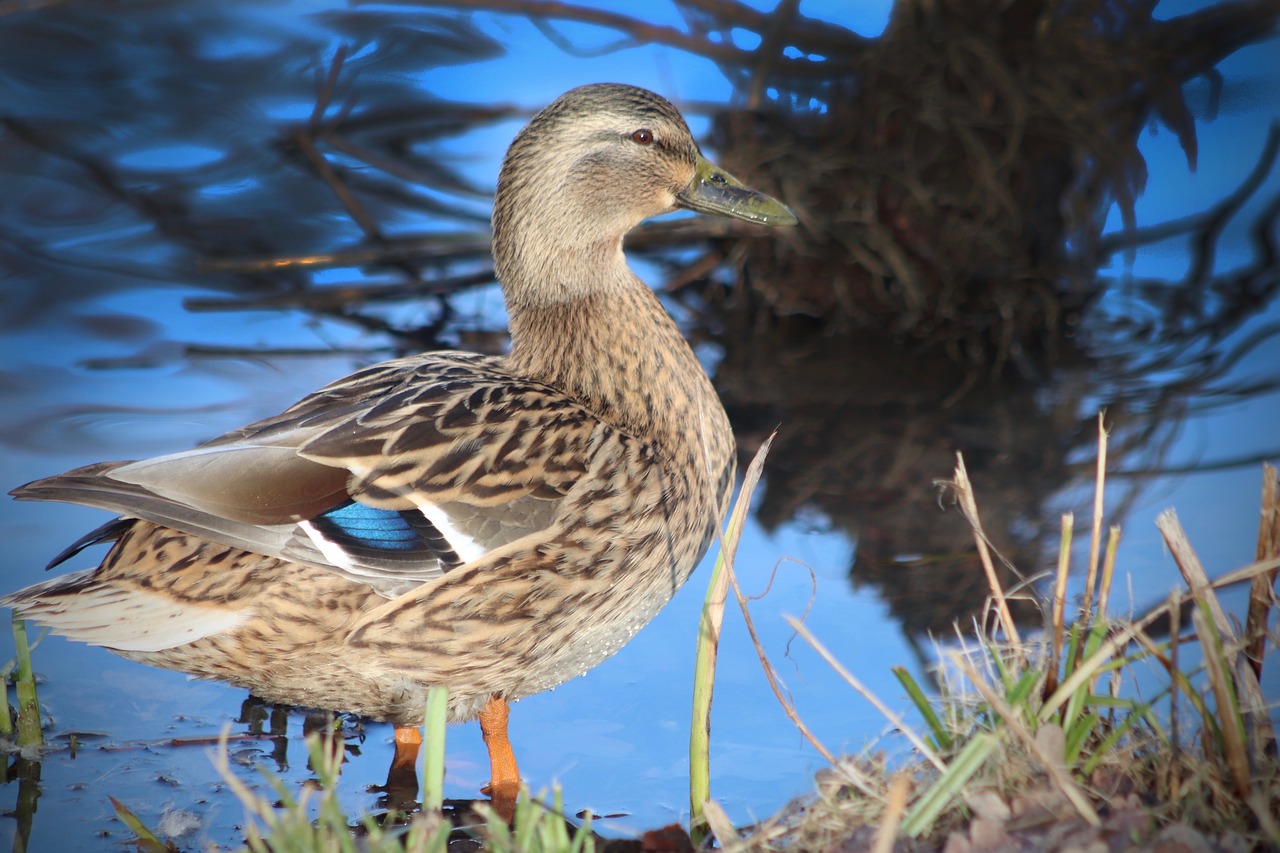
637, 29
28, 6
1216, 215
325, 95
1193, 332
330, 177
826, 38
305, 140
561, 41
1264, 236
112, 267
155, 206
1243, 460
436, 247
396, 168
1239, 351
189, 351
338, 296
460, 246
771, 49
1221, 214
814, 34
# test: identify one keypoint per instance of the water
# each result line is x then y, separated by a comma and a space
103, 358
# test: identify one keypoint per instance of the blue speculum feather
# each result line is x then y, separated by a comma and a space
391, 529
398, 536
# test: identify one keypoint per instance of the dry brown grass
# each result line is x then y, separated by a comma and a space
1034, 758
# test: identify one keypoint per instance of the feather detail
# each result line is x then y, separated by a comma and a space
355, 529
80, 607
249, 483
109, 532
412, 447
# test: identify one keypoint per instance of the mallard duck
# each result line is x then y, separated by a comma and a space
497, 525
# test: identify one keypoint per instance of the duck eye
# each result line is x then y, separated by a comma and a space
643, 136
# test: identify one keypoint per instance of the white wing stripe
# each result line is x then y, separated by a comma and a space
466, 547
332, 551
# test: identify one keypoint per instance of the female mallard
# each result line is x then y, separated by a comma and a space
495, 525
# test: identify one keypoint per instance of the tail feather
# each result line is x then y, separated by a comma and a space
81, 607
388, 571
109, 532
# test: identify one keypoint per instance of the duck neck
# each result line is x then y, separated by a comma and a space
616, 349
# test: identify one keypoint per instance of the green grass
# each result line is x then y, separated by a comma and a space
29, 729
281, 820
433, 753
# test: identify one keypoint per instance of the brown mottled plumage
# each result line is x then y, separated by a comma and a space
496, 525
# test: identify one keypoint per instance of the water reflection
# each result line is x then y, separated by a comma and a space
163, 138
869, 422
862, 440
211, 209
26, 772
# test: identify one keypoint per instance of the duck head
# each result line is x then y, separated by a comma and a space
586, 170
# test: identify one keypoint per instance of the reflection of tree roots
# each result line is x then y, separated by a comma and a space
953, 183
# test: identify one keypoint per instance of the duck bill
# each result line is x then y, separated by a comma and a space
715, 191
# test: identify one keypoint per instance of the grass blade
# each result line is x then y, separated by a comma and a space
941, 736
950, 785
885, 711
147, 839
433, 750
1232, 725
29, 731
1059, 602
709, 642
1052, 764
1260, 590
969, 507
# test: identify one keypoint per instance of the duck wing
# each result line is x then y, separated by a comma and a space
390, 476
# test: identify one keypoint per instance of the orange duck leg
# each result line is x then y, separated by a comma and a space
504, 776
